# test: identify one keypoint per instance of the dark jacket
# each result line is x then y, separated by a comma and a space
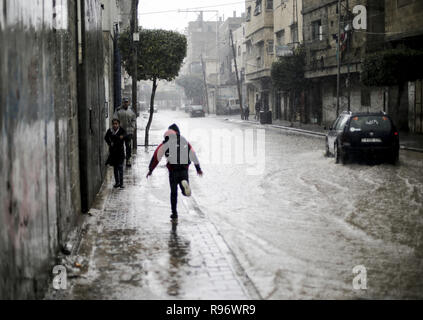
116, 143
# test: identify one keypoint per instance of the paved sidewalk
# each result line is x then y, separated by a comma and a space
130, 250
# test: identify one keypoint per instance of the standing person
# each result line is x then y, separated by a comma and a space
128, 120
115, 139
258, 109
247, 113
179, 154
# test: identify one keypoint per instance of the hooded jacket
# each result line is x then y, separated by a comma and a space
178, 151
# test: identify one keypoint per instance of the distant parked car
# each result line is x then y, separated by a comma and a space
197, 111
187, 109
363, 134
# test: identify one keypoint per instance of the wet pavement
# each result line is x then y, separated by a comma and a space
291, 227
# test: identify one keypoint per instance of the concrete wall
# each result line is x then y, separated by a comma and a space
39, 189
403, 18
91, 104
328, 93
48, 135
284, 17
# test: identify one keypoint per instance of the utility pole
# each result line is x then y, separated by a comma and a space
134, 42
237, 75
348, 62
205, 84
338, 56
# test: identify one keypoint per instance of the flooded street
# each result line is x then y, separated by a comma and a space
293, 229
301, 226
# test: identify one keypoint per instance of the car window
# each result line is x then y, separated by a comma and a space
197, 108
335, 123
342, 123
370, 123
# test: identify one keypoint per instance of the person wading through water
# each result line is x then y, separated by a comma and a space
180, 155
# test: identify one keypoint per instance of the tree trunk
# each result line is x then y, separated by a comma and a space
150, 120
292, 108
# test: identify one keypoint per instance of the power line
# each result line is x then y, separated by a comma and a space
194, 8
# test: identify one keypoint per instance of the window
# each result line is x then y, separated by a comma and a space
257, 11
341, 123
269, 4
239, 51
260, 52
371, 123
248, 18
280, 38
270, 47
317, 30
249, 48
294, 33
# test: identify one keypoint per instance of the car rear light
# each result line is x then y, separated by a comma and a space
396, 133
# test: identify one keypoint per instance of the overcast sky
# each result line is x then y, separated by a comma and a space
179, 21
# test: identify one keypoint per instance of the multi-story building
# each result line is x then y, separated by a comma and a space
259, 38
321, 26
202, 58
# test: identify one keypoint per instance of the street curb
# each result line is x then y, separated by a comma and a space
313, 133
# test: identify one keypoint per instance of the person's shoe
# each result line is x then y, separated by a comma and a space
116, 186
187, 188
122, 186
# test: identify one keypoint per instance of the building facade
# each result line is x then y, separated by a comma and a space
259, 38
322, 21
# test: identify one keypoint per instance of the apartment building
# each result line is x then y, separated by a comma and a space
321, 24
259, 39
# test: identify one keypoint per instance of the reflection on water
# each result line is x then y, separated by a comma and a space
179, 250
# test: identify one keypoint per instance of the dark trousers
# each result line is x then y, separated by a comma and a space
128, 145
118, 174
175, 178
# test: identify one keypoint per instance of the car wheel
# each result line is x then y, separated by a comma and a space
327, 150
340, 156
394, 157
336, 153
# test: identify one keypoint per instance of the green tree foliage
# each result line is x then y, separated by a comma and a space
392, 67
160, 57
193, 87
288, 74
